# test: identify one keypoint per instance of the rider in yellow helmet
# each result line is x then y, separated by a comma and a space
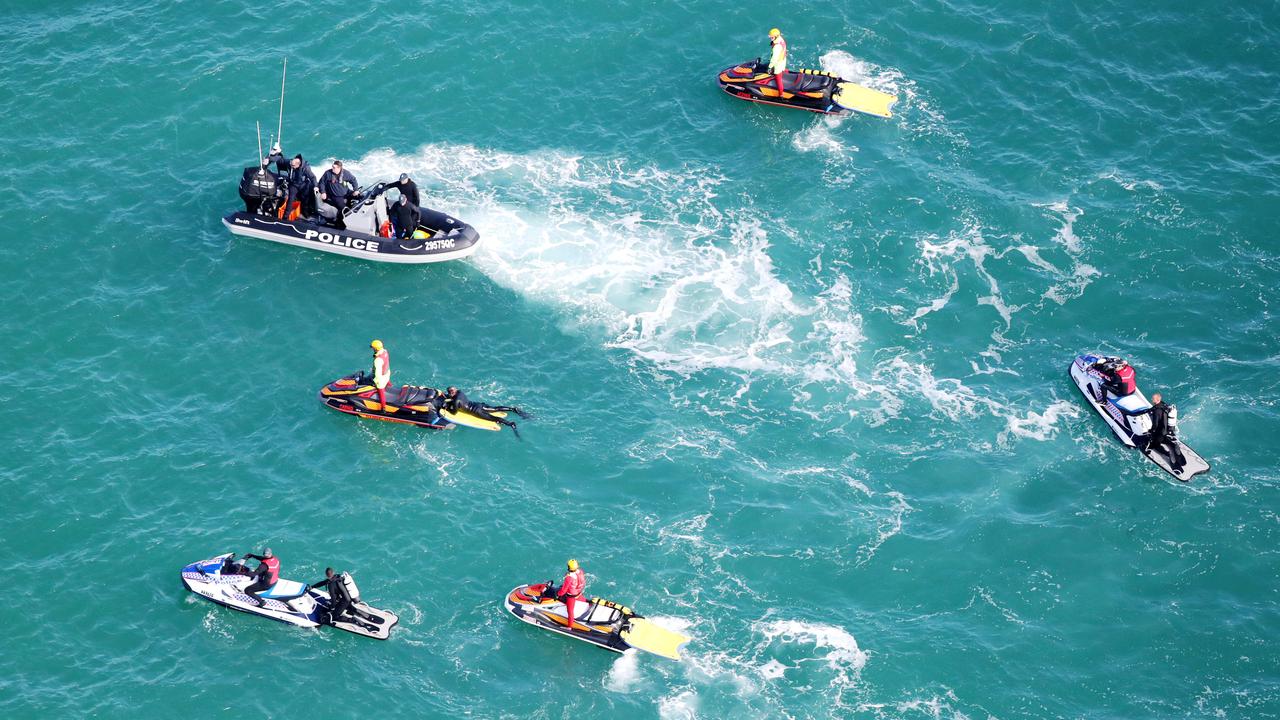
778, 57
381, 372
575, 581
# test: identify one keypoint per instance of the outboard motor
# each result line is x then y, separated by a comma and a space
260, 189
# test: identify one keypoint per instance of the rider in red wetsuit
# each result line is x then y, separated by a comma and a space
575, 581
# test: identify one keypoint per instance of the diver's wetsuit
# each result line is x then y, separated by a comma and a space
340, 602
1162, 438
459, 401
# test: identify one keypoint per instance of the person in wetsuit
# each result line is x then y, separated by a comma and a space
1164, 432
455, 400
405, 216
341, 602
265, 577
300, 183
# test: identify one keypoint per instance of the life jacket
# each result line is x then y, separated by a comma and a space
574, 583
778, 59
381, 368
385, 230
273, 569
1127, 378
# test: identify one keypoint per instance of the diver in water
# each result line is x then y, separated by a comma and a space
341, 602
1164, 432
777, 57
265, 577
455, 400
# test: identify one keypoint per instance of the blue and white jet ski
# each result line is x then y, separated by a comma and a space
1128, 417
222, 579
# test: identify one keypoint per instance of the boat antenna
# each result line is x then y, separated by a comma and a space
280, 125
258, 161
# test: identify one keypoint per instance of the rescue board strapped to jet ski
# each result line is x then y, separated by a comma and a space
813, 90
1129, 418
222, 580
597, 621
356, 395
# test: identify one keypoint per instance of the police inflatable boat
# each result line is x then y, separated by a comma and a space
600, 622
1128, 416
813, 90
365, 231
356, 395
222, 580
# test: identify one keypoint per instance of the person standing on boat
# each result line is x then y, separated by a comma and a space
778, 57
405, 215
407, 188
278, 159
301, 183
337, 187
1164, 432
381, 372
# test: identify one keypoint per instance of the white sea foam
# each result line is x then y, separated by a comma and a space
624, 674
681, 706
835, 646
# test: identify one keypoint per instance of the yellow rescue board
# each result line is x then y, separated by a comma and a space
467, 419
654, 638
864, 100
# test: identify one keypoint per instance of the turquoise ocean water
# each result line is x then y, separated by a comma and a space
800, 383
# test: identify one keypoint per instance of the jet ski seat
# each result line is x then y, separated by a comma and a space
285, 590
807, 83
1131, 404
414, 395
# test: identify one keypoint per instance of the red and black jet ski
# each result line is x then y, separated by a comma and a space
355, 394
601, 622
813, 90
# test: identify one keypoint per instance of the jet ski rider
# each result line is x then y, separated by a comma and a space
381, 372
777, 57
455, 400
1164, 432
265, 577
1119, 378
575, 581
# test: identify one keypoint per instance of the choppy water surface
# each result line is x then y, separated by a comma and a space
800, 382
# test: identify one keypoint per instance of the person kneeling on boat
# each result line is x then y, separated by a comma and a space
777, 57
381, 372
338, 188
1164, 432
341, 603
1119, 377
455, 400
405, 216
571, 588
265, 577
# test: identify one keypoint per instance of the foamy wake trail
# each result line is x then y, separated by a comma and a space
644, 254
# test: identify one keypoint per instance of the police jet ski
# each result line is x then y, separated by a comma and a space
222, 579
602, 623
366, 233
813, 90
356, 395
1128, 416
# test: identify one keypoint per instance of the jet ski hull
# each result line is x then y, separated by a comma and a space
458, 243
596, 621
1128, 420
407, 404
288, 601
816, 91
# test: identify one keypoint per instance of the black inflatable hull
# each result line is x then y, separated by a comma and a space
456, 244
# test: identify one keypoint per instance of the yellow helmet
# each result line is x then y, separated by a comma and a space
572, 564
775, 33
376, 344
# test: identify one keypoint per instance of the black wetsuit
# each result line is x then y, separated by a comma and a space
405, 216
301, 187
340, 603
1162, 438
460, 402
259, 578
407, 189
